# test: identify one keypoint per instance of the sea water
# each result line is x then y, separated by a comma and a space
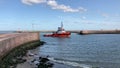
86, 51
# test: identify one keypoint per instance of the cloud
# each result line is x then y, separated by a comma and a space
30, 2
54, 5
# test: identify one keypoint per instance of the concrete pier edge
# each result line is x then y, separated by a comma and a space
86, 32
15, 40
22, 45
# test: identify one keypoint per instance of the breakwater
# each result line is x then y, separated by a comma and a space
13, 40
84, 32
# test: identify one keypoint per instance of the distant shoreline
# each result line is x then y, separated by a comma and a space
82, 32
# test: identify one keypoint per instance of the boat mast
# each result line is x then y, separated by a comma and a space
61, 24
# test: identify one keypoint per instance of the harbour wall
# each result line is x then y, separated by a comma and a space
84, 32
10, 41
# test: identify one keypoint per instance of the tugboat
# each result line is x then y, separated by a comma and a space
59, 33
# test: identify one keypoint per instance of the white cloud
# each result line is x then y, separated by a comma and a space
52, 2
30, 2
54, 5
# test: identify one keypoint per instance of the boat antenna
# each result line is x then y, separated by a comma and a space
61, 24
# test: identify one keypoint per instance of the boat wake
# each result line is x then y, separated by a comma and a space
74, 64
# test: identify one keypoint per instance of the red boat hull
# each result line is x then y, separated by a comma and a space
67, 34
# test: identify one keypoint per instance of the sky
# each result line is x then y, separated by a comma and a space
48, 14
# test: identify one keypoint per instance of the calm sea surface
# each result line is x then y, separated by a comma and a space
85, 51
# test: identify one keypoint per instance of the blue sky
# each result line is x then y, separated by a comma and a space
48, 14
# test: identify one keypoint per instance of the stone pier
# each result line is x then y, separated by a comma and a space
84, 32
10, 41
